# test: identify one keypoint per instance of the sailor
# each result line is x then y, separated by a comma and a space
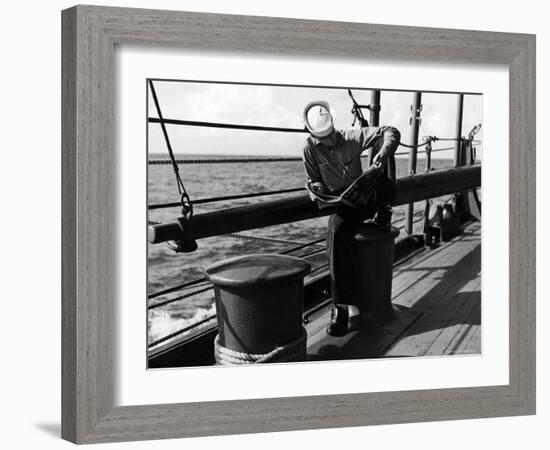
332, 160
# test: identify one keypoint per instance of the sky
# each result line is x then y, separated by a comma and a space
282, 106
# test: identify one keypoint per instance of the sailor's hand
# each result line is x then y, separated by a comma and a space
379, 160
317, 187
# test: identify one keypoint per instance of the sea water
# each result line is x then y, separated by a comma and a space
167, 268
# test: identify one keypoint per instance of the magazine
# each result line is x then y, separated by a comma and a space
356, 195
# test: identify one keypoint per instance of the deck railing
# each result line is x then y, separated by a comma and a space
297, 206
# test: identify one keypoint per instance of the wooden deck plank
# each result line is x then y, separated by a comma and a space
434, 298
451, 308
472, 323
473, 342
443, 285
411, 282
369, 342
435, 326
451, 337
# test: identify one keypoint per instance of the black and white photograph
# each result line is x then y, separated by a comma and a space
244, 225
301, 224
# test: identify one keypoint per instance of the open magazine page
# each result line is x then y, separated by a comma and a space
356, 195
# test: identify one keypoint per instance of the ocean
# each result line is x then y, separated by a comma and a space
167, 268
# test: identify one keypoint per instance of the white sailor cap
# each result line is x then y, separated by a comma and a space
319, 118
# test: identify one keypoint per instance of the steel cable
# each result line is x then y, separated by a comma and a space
226, 197
204, 280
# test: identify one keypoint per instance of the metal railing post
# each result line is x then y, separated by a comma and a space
428, 204
374, 108
415, 120
459, 151
458, 130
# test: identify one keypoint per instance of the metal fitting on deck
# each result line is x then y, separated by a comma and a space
259, 304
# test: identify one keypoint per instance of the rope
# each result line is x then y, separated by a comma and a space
413, 146
356, 111
430, 139
293, 351
441, 149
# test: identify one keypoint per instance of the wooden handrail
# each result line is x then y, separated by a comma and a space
300, 207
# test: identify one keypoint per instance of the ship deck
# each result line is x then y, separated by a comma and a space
437, 297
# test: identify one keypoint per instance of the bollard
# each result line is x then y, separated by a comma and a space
259, 304
375, 248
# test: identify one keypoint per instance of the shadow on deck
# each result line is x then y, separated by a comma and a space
437, 295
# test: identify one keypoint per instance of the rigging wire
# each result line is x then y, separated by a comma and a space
187, 207
198, 281
204, 279
233, 126
357, 111
207, 319
227, 197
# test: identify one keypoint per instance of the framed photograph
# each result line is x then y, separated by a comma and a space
252, 211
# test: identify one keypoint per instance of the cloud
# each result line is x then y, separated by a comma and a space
282, 107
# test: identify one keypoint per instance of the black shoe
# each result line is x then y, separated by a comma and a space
344, 318
339, 318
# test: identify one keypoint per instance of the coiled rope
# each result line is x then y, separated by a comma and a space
293, 351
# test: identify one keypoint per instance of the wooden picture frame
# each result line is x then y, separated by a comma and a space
90, 34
